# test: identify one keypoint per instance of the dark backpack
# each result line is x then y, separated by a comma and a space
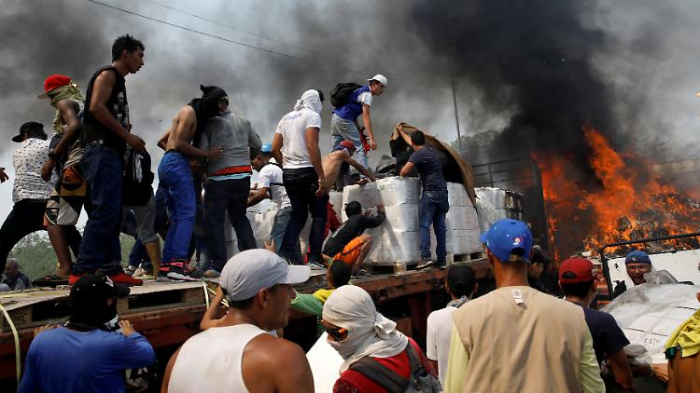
420, 379
341, 92
137, 179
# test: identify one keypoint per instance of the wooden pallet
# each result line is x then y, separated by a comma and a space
39, 307
473, 257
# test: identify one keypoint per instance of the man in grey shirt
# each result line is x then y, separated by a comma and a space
229, 183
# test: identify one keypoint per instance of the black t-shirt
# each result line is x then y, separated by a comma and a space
117, 105
608, 338
352, 228
429, 169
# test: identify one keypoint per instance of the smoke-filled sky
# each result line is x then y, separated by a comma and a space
537, 69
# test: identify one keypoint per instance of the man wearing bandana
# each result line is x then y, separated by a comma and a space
87, 354
369, 342
68, 195
228, 183
176, 177
295, 147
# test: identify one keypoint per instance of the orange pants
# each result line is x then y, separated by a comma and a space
350, 252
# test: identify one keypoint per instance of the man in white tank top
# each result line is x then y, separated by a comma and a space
238, 355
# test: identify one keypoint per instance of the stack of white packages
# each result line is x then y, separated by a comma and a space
261, 222
397, 239
490, 205
462, 223
336, 199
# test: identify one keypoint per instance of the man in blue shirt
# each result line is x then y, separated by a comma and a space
433, 204
344, 124
85, 355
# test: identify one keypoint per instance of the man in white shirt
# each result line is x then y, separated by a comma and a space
30, 192
295, 146
270, 185
460, 284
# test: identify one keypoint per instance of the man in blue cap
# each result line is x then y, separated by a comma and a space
270, 185
517, 339
637, 264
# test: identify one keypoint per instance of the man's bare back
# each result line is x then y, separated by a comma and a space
333, 162
182, 132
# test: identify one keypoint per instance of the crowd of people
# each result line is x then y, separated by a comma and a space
94, 162
515, 338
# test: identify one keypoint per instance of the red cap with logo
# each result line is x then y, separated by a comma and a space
52, 82
576, 270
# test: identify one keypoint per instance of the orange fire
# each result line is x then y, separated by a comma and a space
628, 203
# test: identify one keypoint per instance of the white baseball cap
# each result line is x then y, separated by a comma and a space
248, 272
379, 78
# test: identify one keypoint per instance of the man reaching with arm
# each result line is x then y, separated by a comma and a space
176, 177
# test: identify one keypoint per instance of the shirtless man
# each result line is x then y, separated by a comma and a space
176, 177
338, 162
240, 353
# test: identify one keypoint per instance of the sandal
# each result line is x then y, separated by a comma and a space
52, 280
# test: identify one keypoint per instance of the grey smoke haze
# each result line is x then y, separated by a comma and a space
629, 66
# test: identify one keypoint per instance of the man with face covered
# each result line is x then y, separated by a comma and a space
86, 355
295, 147
637, 264
362, 336
228, 183
176, 177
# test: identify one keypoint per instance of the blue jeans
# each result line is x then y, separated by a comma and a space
279, 227
342, 129
176, 180
100, 250
433, 208
301, 185
227, 196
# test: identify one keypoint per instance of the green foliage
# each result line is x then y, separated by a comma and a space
37, 258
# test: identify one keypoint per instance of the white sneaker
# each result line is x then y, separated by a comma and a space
181, 277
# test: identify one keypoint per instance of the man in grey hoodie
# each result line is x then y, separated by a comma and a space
228, 183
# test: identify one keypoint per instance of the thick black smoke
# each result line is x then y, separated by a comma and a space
531, 58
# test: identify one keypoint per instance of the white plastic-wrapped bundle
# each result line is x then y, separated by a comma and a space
490, 206
390, 246
399, 191
367, 195
461, 217
457, 195
401, 218
336, 199
457, 242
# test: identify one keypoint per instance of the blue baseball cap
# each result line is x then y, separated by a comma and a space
266, 148
637, 257
507, 235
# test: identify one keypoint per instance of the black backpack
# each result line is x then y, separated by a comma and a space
137, 179
341, 92
420, 379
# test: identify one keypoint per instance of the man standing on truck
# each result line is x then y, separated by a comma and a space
515, 338
580, 287
176, 177
344, 121
434, 204
637, 264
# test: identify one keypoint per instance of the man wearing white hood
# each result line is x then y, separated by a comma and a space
378, 358
295, 146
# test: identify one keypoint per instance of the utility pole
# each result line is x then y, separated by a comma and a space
454, 99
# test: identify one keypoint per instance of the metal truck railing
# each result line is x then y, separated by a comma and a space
604, 259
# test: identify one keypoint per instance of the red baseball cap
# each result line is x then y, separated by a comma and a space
576, 270
53, 82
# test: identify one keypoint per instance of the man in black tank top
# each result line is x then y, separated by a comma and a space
105, 136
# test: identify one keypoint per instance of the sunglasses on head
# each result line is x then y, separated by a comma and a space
337, 334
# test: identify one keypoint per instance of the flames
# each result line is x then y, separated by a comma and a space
625, 202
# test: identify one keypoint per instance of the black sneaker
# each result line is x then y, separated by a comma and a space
425, 263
